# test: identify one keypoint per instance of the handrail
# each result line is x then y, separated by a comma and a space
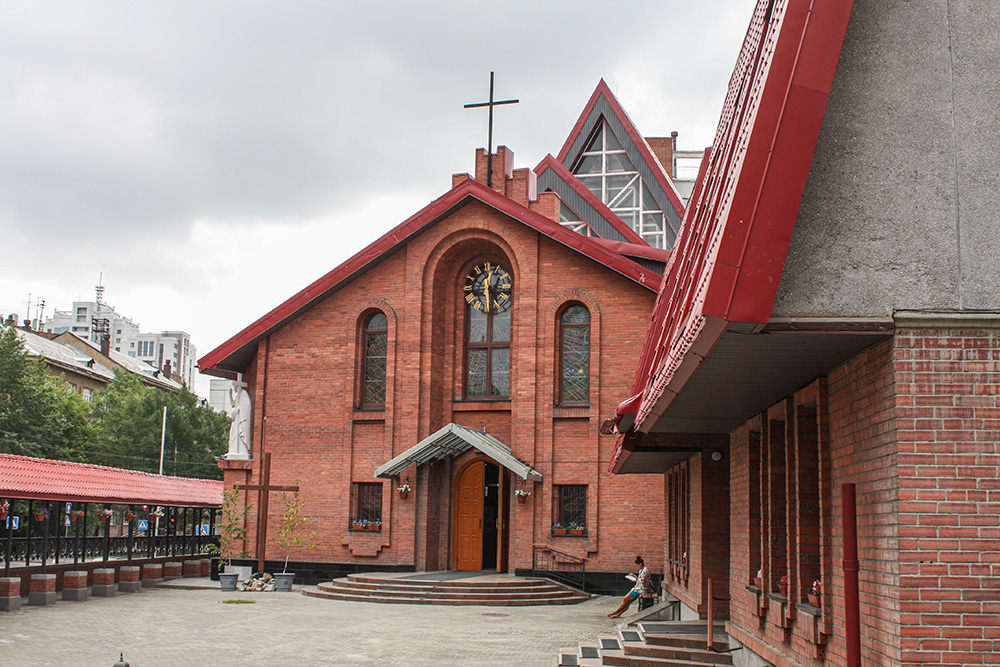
571, 557
566, 568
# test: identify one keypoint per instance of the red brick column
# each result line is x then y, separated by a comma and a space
206, 567
75, 586
192, 568
10, 593
172, 570
128, 579
104, 582
152, 574
43, 590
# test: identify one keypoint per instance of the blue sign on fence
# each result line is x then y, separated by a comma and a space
143, 524
203, 529
14, 520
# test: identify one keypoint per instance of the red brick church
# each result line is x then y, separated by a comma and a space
437, 397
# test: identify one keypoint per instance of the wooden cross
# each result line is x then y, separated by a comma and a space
262, 489
489, 150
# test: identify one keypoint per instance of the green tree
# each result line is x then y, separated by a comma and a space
40, 414
130, 417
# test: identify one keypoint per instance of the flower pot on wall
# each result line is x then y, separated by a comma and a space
522, 499
404, 494
814, 599
559, 531
783, 590
576, 531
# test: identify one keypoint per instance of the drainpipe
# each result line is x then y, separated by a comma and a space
852, 610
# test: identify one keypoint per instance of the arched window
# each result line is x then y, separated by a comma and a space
488, 292
376, 340
574, 355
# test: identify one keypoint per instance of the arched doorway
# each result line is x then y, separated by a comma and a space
481, 530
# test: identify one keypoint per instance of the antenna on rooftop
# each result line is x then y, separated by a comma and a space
101, 325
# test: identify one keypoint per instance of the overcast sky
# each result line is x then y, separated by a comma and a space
213, 158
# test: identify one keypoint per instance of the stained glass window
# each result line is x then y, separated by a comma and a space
571, 511
487, 355
376, 348
574, 355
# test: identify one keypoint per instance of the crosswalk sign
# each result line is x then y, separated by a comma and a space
143, 524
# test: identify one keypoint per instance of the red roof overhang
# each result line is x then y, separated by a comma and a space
727, 263
44, 479
549, 162
233, 355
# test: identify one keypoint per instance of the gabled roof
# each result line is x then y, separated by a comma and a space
452, 440
234, 355
604, 105
552, 175
44, 479
727, 263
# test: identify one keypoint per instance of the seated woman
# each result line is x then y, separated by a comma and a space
641, 584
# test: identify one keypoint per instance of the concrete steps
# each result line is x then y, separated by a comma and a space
670, 644
492, 590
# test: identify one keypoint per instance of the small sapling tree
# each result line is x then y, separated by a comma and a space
290, 535
233, 532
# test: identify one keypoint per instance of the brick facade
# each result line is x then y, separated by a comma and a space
304, 381
914, 422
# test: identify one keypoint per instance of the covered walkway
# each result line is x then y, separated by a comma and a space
56, 512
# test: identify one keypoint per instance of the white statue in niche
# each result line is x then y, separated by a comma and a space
241, 431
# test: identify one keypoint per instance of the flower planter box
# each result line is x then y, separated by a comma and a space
576, 531
783, 590
283, 581
814, 600
559, 531
227, 581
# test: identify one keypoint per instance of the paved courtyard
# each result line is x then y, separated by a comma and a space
167, 627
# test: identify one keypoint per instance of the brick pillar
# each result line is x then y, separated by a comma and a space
128, 579
104, 583
172, 570
43, 590
152, 574
75, 586
206, 567
192, 568
10, 593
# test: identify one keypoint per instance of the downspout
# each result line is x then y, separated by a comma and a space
852, 611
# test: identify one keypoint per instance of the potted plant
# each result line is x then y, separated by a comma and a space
41, 514
759, 579
128, 516
559, 529
404, 490
104, 515
289, 536
74, 515
4, 508
783, 586
815, 592
577, 529
521, 495
232, 533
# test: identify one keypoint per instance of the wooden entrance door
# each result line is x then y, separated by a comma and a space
469, 517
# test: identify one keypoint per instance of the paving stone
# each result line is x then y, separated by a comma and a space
174, 627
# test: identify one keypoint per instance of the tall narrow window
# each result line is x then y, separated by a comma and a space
574, 355
489, 296
376, 334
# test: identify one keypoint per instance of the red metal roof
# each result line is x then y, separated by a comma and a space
44, 479
549, 162
728, 259
234, 354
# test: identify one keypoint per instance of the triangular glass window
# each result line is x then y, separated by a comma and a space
572, 221
606, 170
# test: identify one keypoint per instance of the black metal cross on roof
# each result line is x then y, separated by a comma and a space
262, 489
489, 150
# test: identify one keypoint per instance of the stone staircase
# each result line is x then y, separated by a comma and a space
447, 589
655, 644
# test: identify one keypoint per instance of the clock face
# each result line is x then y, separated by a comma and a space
488, 288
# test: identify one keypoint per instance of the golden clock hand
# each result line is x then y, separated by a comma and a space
489, 276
